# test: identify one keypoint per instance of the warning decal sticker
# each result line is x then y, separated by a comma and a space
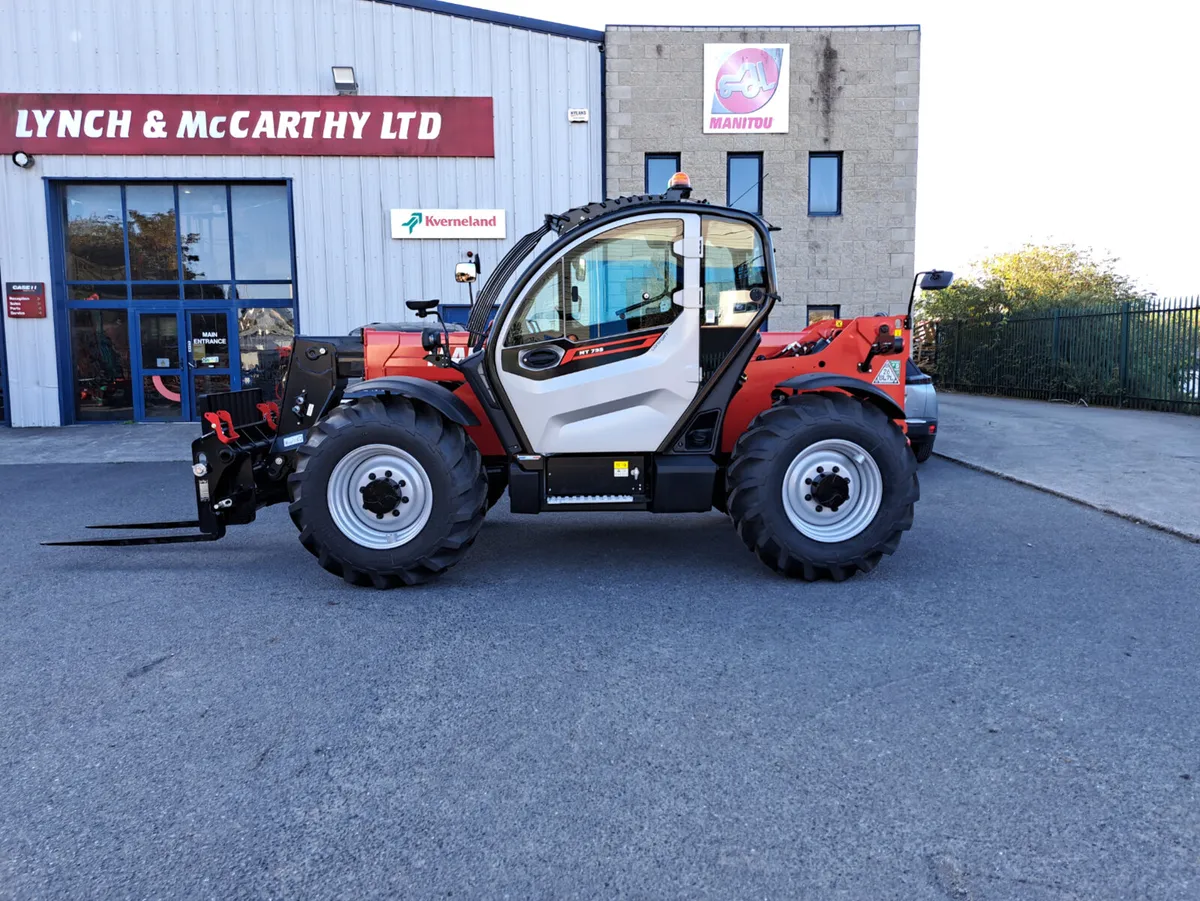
620, 469
889, 374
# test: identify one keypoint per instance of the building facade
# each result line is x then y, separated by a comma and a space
833, 165
189, 184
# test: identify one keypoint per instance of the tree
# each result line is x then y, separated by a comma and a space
1036, 277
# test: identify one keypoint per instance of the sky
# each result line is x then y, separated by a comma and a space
1040, 122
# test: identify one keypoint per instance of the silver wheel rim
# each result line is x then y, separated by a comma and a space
368, 468
833, 458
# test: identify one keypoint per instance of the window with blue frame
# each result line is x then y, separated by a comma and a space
825, 184
743, 182
172, 290
659, 169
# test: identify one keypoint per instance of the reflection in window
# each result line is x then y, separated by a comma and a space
733, 264
100, 351
659, 169
622, 281
262, 246
820, 312
152, 241
96, 292
281, 292
95, 236
265, 343
824, 184
160, 340
204, 231
743, 182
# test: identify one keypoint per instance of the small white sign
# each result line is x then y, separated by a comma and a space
424, 223
745, 89
577, 115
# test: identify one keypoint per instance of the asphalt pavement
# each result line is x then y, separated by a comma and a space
597, 706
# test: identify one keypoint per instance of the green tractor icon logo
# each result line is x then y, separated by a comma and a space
413, 221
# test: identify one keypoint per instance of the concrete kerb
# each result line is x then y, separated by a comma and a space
1083, 502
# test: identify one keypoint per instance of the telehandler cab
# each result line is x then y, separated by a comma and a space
625, 369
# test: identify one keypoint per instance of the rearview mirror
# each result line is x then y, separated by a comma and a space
936, 280
465, 272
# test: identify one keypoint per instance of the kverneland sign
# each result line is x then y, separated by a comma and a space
245, 125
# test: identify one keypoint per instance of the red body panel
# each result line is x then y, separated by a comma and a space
400, 353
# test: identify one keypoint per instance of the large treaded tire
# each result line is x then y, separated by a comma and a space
760, 461
451, 462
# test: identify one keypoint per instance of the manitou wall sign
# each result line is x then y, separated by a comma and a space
245, 125
745, 89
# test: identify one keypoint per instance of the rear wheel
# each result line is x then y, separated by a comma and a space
388, 492
922, 449
822, 486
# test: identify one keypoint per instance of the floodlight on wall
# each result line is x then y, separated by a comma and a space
343, 80
23, 159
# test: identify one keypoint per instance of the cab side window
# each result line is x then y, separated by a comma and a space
621, 281
733, 265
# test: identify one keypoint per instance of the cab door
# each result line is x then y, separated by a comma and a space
601, 352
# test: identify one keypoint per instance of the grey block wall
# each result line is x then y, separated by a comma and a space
853, 90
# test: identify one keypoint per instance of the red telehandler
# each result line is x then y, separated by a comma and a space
625, 368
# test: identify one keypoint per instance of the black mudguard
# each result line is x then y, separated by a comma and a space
865, 391
440, 398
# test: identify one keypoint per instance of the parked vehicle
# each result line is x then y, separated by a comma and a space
603, 384
920, 411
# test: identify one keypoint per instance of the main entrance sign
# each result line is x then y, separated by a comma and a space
246, 125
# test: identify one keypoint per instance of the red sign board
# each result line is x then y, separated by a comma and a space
25, 300
245, 125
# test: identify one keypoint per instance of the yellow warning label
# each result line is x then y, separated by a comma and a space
620, 469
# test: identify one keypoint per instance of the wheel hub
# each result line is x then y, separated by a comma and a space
832, 490
382, 496
379, 496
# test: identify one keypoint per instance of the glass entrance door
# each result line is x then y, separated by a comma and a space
161, 347
209, 355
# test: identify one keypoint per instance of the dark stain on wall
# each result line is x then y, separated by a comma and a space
827, 88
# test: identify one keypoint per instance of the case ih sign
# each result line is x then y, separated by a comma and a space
25, 300
245, 125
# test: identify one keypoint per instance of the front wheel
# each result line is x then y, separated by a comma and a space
822, 486
387, 492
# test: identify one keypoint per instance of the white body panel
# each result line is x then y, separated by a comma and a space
629, 405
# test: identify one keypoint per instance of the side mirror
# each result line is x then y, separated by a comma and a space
465, 272
936, 280
422, 307
757, 294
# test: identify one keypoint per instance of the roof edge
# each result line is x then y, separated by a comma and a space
903, 27
496, 18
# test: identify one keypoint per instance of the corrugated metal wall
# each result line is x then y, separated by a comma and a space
350, 270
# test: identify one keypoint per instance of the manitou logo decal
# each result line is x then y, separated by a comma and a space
746, 89
448, 224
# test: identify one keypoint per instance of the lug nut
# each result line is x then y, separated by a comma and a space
362, 490
395, 513
387, 474
820, 469
835, 469
808, 497
402, 483
833, 509
371, 477
404, 500
819, 508
808, 481
379, 516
